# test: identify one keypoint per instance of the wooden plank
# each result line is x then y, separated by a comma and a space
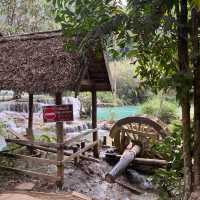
34, 144
129, 187
81, 196
80, 152
21, 137
31, 173
51, 195
90, 158
39, 160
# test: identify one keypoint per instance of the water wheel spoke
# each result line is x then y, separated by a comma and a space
144, 134
137, 129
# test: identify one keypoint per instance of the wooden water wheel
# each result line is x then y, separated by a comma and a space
142, 130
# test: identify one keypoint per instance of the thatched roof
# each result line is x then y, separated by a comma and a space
38, 63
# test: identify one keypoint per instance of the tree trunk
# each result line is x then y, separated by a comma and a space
185, 96
196, 65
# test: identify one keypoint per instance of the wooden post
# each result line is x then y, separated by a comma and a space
94, 122
60, 150
76, 160
83, 145
104, 140
30, 119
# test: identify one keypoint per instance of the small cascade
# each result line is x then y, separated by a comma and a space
14, 114
18, 106
22, 106
77, 126
76, 105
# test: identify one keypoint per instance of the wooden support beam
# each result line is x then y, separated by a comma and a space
26, 142
31, 173
12, 132
76, 159
129, 187
46, 149
19, 156
104, 140
78, 153
83, 146
30, 119
60, 141
141, 161
80, 136
22, 140
94, 122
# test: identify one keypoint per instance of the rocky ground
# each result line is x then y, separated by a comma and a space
86, 178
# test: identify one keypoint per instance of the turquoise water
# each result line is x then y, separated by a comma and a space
116, 113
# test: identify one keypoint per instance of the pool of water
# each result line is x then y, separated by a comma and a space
116, 113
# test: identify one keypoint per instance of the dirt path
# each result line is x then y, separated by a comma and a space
87, 178
42, 196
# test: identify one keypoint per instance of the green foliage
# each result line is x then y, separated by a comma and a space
161, 108
47, 138
171, 147
107, 98
145, 30
22, 16
2, 129
170, 184
86, 101
170, 181
128, 88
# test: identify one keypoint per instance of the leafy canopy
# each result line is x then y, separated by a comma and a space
141, 29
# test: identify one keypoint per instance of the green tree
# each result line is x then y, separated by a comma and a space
22, 16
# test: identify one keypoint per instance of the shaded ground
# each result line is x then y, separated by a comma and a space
42, 196
86, 178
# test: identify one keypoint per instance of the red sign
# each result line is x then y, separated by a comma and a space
59, 113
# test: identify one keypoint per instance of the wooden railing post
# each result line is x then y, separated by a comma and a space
94, 122
60, 150
30, 119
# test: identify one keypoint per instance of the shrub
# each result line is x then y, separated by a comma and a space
171, 181
163, 109
2, 129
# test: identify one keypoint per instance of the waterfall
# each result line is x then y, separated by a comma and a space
18, 106
22, 106
14, 114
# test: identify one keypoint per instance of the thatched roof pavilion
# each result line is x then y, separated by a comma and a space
38, 63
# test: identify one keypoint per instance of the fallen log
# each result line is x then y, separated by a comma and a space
129, 187
127, 157
140, 161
